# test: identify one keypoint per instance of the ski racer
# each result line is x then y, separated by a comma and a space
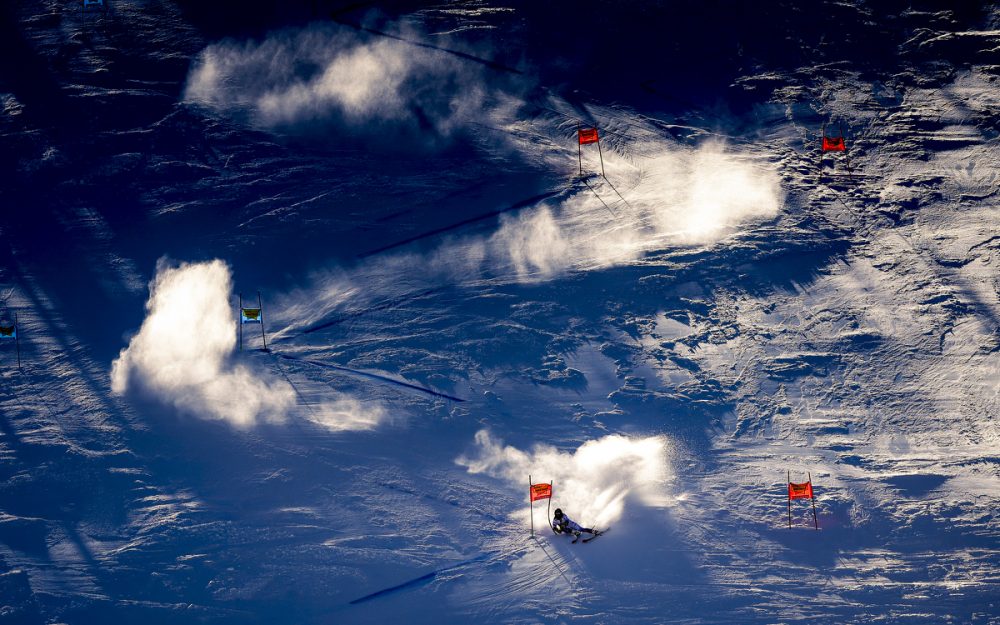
562, 524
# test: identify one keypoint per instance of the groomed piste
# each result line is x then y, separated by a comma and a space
322, 312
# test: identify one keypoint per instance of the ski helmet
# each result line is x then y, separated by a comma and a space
558, 513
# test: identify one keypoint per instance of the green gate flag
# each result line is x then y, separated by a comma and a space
250, 315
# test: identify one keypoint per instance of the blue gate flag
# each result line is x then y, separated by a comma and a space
8, 331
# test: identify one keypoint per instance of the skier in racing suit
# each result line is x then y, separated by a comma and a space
562, 524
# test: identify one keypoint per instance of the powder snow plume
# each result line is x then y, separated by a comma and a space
182, 356
594, 483
302, 78
681, 196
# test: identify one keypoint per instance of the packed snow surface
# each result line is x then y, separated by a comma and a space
667, 326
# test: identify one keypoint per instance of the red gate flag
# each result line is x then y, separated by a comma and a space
800, 491
587, 135
540, 491
833, 144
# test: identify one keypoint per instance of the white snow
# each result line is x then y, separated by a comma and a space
449, 314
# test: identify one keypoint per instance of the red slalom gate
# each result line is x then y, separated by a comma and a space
536, 492
801, 490
585, 136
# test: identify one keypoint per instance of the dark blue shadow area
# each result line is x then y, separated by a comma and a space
247, 487
684, 56
418, 581
917, 484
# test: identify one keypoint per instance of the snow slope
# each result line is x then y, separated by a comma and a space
450, 307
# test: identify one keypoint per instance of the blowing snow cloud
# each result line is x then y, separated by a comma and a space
594, 482
682, 196
319, 74
182, 356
